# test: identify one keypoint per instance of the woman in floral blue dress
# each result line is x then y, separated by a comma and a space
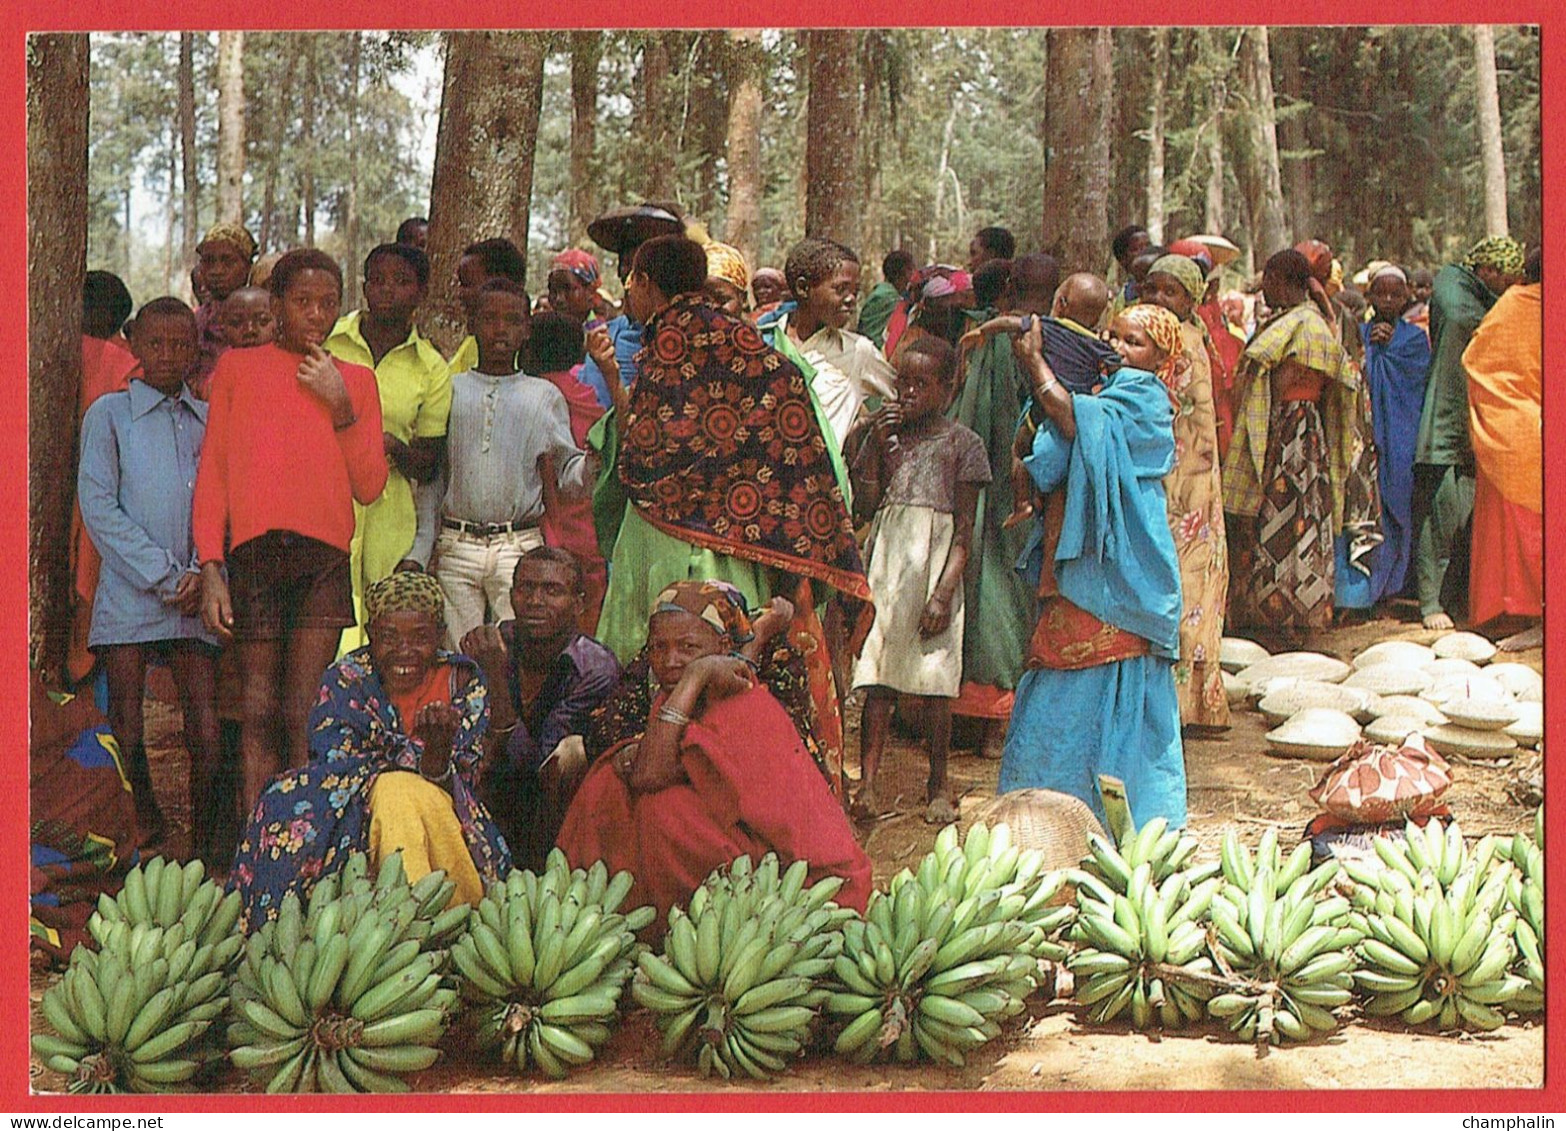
394, 762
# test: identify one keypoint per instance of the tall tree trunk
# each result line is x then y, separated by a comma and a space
832, 135
187, 148
169, 235
1490, 131
57, 97
1218, 93
586, 53
307, 154
742, 224
1155, 135
1293, 138
276, 124
1272, 230
484, 151
1077, 102
872, 128
652, 117
231, 127
941, 166
351, 220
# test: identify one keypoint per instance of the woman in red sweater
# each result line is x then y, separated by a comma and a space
293, 441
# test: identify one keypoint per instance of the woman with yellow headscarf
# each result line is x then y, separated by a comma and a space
394, 762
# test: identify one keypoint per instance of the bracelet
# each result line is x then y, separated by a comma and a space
440, 778
668, 714
347, 425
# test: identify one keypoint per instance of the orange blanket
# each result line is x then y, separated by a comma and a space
1505, 364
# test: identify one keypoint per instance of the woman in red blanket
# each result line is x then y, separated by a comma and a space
716, 770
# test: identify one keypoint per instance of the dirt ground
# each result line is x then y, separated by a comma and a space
1233, 783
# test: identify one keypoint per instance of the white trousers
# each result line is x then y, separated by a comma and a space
474, 572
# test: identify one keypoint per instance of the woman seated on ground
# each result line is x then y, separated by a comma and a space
716, 768
394, 760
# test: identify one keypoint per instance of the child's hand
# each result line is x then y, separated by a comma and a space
217, 611
186, 597
322, 379
601, 349
1380, 333
937, 616
888, 422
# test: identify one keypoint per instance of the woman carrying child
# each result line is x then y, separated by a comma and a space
1099, 696
919, 475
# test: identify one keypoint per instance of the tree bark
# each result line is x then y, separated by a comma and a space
1490, 132
1077, 103
652, 118
1293, 136
1272, 230
231, 127
187, 148
940, 179
1155, 135
307, 156
57, 101
1218, 92
484, 153
742, 225
586, 52
351, 219
832, 136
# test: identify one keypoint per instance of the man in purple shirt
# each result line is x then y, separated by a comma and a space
553, 677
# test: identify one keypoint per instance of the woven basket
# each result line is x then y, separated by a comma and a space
1056, 824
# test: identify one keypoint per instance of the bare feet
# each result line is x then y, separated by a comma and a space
1018, 517
1524, 640
1439, 622
867, 806
994, 744
940, 811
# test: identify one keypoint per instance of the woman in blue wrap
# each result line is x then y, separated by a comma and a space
1099, 694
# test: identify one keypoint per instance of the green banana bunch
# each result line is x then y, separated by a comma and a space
991, 880
1289, 951
545, 960
949, 952
1434, 853
1164, 850
1440, 952
1525, 895
345, 994
132, 1015
1144, 949
738, 978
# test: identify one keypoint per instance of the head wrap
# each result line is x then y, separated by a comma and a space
1500, 252
1319, 256
726, 263
1184, 271
407, 592
1159, 325
1379, 270
717, 602
938, 287
961, 281
234, 235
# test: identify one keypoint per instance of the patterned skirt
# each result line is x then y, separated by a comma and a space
1282, 576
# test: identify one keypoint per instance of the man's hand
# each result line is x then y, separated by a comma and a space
600, 347
187, 594
217, 611
322, 379
486, 645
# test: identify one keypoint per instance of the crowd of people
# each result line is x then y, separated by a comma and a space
605, 577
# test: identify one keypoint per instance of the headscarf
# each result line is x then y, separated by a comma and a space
726, 263
407, 592
1195, 250
584, 265
1319, 256
1388, 269
239, 238
1162, 327
1184, 271
1500, 252
718, 603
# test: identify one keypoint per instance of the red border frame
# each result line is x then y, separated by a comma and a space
21, 16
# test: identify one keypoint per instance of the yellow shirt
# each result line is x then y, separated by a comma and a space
415, 387
466, 357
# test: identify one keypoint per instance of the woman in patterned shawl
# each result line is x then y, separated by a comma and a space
1295, 442
394, 760
727, 472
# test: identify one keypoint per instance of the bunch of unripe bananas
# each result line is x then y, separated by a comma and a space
133, 1015
1525, 893
1140, 930
545, 960
949, 952
737, 979
1286, 946
1439, 943
347, 994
